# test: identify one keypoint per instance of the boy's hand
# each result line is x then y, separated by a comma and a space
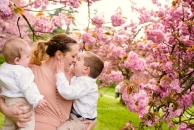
42, 103
60, 66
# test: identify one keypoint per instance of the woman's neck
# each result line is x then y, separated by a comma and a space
50, 65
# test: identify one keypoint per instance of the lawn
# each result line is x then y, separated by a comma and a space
1, 119
1, 60
108, 91
112, 115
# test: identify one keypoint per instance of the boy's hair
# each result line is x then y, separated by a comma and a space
13, 48
95, 63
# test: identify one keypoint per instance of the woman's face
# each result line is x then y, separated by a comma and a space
71, 56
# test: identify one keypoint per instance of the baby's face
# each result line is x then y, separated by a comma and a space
25, 56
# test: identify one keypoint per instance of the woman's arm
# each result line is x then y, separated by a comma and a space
15, 113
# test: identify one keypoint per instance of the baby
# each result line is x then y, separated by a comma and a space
17, 81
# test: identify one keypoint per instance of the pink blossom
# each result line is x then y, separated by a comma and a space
186, 100
134, 62
88, 38
117, 50
183, 126
116, 76
40, 3
97, 21
168, 67
177, 13
5, 10
74, 3
173, 113
117, 20
156, 36
103, 37
106, 66
161, 13
152, 85
171, 40
184, 29
175, 85
156, 2
136, 102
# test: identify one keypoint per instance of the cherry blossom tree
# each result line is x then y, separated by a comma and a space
168, 59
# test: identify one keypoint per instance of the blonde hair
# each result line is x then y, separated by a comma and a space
43, 49
13, 48
95, 63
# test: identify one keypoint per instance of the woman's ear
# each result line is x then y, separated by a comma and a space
17, 60
58, 54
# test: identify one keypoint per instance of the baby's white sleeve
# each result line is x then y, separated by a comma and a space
29, 88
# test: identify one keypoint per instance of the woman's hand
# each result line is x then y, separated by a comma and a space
90, 123
15, 113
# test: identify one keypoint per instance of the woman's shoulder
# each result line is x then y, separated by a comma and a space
33, 67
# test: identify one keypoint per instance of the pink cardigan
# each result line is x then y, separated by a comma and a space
58, 110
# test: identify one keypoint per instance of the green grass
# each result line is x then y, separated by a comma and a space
1, 115
1, 119
108, 91
1, 60
112, 115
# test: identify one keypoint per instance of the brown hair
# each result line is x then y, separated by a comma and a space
95, 63
42, 49
13, 48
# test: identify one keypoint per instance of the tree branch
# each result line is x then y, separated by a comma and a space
19, 27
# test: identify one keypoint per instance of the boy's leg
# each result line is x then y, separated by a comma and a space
73, 124
30, 125
8, 124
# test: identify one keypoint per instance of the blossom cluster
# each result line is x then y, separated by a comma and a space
134, 62
5, 10
97, 21
117, 20
156, 36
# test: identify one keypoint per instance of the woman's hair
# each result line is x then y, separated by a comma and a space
95, 63
43, 49
13, 48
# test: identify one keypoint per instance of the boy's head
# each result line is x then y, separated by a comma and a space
88, 64
16, 51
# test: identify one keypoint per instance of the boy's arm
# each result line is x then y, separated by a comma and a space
70, 91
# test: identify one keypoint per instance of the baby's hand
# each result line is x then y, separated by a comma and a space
60, 66
42, 103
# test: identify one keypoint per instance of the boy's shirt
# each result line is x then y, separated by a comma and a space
83, 90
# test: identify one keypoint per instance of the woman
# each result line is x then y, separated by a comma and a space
43, 65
